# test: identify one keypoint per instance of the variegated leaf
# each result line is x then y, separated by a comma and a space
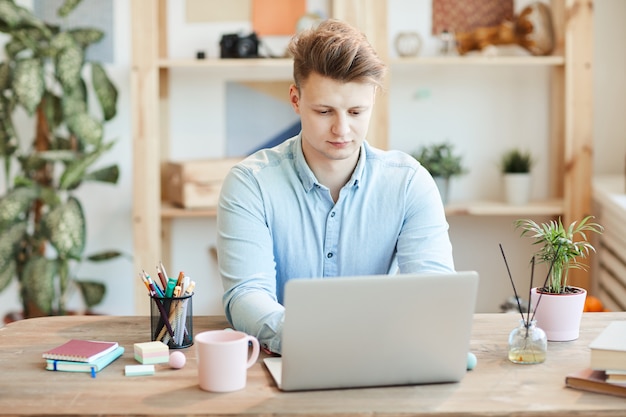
75, 172
5, 75
14, 205
9, 240
86, 128
10, 15
86, 36
28, 83
65, 228
7, 273
67, 7
105, 91
69, 64
38, 282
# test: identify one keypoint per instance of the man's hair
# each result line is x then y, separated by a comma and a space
336, 50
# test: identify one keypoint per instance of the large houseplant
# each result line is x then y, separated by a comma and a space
44, 74
440, 160
561, 249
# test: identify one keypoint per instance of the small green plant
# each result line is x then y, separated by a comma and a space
439, 159
516, 161
560, 247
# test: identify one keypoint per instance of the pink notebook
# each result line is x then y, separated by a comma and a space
80, 350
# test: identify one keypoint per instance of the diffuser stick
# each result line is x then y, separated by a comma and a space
545, 282
508, 270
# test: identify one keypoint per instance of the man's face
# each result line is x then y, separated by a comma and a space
335, 116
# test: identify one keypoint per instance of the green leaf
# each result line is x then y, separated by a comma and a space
10, 15
38, 282
8, 139
14, 206
104, 256
74, 101
69, 64
105, 91
75, 172
86, 128
67, 7
93, 292
53, 110
5, 75
109, 175
9, 240
86, 36
28, 83
7, 273
57, 156
66, 229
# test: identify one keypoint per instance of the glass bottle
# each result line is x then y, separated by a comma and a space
528, 344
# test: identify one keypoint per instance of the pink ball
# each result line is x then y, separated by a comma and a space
177, 359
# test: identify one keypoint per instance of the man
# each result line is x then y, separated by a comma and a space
324, 203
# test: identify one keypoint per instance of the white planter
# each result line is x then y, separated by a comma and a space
559, 315
517, 188
443, 184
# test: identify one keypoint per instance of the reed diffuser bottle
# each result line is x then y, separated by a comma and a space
528, 343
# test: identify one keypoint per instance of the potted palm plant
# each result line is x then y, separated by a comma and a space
557, 306
515, 166
42, 223
440, 160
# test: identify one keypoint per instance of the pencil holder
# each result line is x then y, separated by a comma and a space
171, 320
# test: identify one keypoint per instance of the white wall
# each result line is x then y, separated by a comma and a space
482, 110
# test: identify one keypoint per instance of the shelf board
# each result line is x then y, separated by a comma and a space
237, 69
170, 211
498, 208
281, 68
551, 60
469, 208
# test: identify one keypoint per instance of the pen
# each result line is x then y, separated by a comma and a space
165, 276
161, 277
163, 314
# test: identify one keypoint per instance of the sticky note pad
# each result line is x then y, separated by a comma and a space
151, 352
138, 370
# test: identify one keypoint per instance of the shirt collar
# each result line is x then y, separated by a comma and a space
307, 177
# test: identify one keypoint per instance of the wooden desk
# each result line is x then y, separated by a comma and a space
496, 387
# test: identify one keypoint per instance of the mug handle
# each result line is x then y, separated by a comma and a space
254, 355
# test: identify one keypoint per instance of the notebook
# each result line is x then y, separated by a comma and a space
369, 331
80, 350
95, 366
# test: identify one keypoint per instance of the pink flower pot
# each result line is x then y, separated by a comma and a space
559, 315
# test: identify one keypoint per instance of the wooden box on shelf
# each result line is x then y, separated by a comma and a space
196, 184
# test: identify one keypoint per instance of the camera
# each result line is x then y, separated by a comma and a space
236, 46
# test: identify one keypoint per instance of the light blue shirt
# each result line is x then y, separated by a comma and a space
276, 222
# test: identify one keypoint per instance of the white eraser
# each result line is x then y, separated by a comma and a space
138, 370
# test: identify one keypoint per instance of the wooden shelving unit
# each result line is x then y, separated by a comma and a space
571, 108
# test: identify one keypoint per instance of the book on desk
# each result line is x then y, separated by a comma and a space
78, 355
607, 363
78, 350
93, 367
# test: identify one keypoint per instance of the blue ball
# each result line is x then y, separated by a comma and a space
471, 361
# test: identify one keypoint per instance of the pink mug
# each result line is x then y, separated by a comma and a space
224, 359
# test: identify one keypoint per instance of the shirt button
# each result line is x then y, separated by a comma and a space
332, 214
329, 255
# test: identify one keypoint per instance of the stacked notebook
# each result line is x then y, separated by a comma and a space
607, 365
78, 355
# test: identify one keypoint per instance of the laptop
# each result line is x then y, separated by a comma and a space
382, 330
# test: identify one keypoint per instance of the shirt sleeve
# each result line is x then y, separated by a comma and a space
246, 261
424, 243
